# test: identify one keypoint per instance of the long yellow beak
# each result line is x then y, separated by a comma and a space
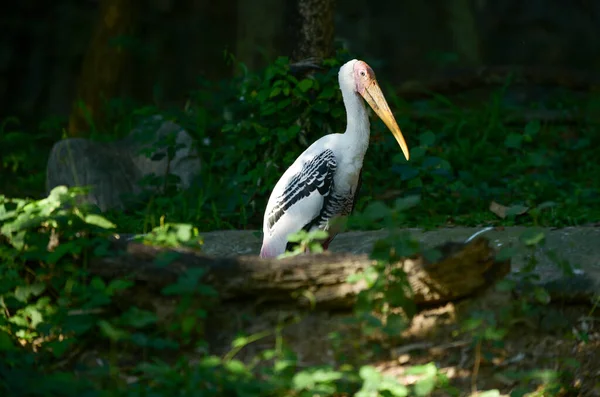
376, 100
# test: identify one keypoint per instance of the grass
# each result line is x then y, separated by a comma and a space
465, 153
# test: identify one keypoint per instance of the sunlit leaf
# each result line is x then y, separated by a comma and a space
394, 387
236, 367
370, 374
490, 393
424, 387
302, 381
532, 236
23, 292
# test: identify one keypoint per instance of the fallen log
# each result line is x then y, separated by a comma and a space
462, 270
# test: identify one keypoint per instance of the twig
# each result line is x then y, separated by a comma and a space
476, 365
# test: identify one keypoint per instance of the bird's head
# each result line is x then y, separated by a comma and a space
358, 76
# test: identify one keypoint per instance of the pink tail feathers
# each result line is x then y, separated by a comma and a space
269, 250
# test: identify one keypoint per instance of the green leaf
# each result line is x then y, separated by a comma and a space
317, 235
138, 318
541, 295
35, 316
513, 141
98, 284
427, 370
23, 292
505, 253
395, 388
424, 387
404, 203
315, 247
236, 366
370, 374
427, 138
118, 285
505, 285
6, 343
416, 153
545, 205
274, 92
355, 278
188, 324
377, 210
395, 325
489, 393
492, 333
297, 237
515, 210
184, 232
111, 331
533, 236
303, 381
532, 128
305, 85
323, 375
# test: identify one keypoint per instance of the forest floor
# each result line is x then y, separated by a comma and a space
558, 357
557, 346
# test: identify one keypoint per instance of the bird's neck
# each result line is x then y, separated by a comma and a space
357, 122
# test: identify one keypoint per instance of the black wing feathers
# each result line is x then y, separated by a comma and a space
316, 174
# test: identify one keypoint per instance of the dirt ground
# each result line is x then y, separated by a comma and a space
563, 339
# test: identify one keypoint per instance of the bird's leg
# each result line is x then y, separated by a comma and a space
325, 244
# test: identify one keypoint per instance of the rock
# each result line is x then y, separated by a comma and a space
114, 170
107, 169
577, 245
148, 145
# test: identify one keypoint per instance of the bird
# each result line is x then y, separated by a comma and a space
322, 184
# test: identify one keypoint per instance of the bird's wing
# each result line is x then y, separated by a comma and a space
301, 198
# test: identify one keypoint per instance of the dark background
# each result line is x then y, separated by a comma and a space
173, 43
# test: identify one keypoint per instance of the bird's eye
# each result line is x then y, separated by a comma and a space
362, 73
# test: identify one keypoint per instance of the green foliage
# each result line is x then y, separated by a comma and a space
386, 304
305, 242
52, 308
173, 235
250, 128
248, 131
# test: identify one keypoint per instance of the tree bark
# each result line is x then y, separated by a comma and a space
463, 270
103, 64
312, 29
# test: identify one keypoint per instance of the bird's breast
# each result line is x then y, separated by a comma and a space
347, 174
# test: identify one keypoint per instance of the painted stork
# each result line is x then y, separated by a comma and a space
323, 182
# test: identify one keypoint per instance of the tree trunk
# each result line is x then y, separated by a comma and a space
312, 29
463, 270
103, 65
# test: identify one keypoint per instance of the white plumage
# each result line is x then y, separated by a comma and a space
322, 183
